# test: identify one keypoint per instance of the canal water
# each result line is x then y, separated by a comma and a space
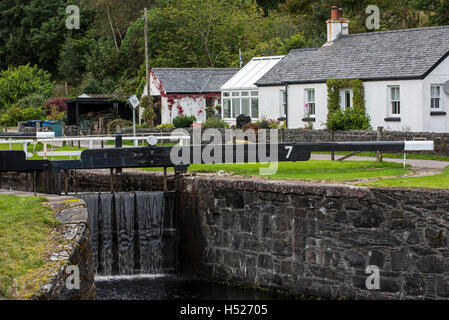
174, 287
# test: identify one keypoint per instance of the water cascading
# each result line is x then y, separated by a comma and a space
127, 232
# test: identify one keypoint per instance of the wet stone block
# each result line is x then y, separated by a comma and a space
399, 260
376, 259
413, 238
354, 259
234, 199
389, 285
264, 261
402, 224
414, 285
368, 219
431, 264
435, 238
443, 287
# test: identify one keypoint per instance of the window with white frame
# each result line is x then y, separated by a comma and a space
309, 109
346, 98
283, 106
395, 100
240, 102
226, 105
436, 102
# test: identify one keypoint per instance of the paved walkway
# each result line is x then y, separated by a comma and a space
421, 164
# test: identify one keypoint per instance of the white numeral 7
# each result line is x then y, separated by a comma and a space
290, 149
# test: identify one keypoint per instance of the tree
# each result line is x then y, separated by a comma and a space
17, 83
202, 33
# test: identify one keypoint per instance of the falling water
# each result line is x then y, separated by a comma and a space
92, 202
150, 208
124, 206
106, 233
127, 232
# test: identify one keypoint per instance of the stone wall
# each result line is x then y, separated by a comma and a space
75, 250
311, 239
301, 135
316, 239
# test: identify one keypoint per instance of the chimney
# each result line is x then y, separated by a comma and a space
336, 25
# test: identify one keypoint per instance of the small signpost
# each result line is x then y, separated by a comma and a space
134, 102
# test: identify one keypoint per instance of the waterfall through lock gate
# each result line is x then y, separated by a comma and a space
132, 233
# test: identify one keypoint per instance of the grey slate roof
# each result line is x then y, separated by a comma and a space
193, 80
400, 54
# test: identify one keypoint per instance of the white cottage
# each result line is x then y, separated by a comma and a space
405, 74
187, 91
240, 95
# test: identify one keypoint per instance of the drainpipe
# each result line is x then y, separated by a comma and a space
286, 105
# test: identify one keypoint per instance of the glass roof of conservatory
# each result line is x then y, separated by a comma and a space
249, 74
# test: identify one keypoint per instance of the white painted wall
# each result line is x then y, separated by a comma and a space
415, 103
195, 106
270, 102
437, 77
190, 105
378, 107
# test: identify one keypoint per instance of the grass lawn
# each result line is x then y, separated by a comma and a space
25, 238
440, 181
311, 170
394, 155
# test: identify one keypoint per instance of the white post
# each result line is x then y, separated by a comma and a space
134, 127
45, 150
405, 159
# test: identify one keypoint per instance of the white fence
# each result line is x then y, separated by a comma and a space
92, 143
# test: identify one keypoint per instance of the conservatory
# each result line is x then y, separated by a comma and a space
240, 95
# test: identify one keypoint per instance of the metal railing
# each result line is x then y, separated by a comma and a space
91, 141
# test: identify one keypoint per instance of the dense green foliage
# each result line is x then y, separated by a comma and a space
216, 123
15, 114
18, 83
354, 118
183, 121
107, 53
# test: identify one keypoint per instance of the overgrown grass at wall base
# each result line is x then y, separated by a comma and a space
25, 237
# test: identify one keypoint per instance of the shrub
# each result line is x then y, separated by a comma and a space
34, 100
59, 103
350, 119
215, 122
16, 114
54, 114
183, 121
22, 81
253, 126
166, 126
